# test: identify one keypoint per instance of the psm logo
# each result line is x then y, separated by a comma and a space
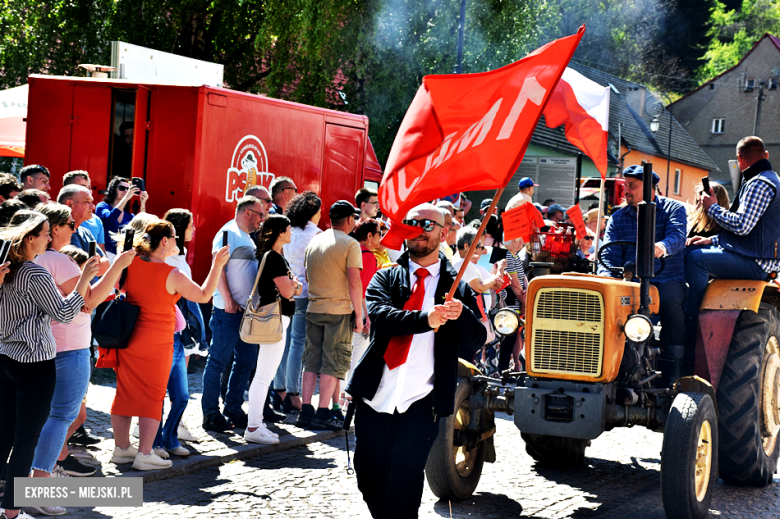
249, 167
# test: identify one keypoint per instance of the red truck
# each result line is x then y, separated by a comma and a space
196, 147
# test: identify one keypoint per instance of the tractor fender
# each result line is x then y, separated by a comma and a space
697, 385
734, 294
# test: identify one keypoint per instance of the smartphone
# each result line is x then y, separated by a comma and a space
92, 248
705, 181
224, 238
5, 247
139, 183
129, 235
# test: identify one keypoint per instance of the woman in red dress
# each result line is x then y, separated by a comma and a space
143, 368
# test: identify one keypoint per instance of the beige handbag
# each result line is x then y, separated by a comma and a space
262, 325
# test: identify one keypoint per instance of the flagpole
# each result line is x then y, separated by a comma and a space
474, 244
600, 215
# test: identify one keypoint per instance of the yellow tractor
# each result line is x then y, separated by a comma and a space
592, 365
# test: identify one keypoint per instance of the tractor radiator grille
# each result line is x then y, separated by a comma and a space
568, 332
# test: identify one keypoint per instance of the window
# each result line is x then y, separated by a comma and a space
718, 125
712, 86
750, 84
677, 180
773, 83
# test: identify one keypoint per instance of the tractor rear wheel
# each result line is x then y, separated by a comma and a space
689, 456
555, 451
748, 403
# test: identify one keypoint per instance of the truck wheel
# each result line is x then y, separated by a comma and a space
689, 456
453, 471
555, 451
748, 402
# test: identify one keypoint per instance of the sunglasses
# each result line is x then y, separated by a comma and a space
589, 238
122, 188
256, 212
427, 225
266, 200
71, 224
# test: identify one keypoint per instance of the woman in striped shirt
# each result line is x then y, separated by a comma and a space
29, 300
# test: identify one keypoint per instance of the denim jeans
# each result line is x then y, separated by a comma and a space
225, 340
718, 263
72, 381
26, 391
179, 395
296, 336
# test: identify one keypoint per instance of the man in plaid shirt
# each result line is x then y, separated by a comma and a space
670, 231
746, 247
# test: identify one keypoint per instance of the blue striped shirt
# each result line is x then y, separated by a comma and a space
670, 229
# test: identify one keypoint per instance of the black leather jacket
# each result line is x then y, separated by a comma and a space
386, 295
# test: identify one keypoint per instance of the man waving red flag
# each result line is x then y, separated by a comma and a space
468, 132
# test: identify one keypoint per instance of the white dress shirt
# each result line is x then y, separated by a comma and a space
412, 380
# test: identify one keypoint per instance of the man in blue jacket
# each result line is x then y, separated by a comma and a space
746, 247
670, 232
406, 379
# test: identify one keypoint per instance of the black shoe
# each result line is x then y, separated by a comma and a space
323, 420
74, 467
276, 400
218, 423
82, 437
304, 417
338, 414
272, 416
287, 405
239, 419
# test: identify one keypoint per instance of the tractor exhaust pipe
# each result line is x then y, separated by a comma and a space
645, 247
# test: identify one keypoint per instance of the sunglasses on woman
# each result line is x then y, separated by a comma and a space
589, 238
71, 224
427, 225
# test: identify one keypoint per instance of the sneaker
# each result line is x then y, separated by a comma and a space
218, 423
124, 455
58, 472
184, 434
83, 437
47, 510
22, 515
136, 432
304, 417
338, 414
239, 419
179, 451
74, 467
323, 420
272, 416
261, 435
162, 453
150, 462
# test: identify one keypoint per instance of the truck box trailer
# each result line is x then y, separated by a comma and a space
197, 147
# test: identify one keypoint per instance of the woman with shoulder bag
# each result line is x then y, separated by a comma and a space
274, 281
29, 300
143, 368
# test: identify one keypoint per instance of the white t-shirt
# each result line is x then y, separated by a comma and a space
241, 268
180, 261
474, 271
77, 334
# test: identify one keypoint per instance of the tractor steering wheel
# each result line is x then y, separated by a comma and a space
619, 270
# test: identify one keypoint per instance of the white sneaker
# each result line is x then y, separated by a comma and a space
179, 451
59, 472
269, 431
124, 455
136, 432
47, 510
184, 434
261, 435
162, 453
22, 515
150, 462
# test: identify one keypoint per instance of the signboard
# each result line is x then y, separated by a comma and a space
143, 65
556, 177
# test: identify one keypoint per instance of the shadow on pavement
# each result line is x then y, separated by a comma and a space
481, 504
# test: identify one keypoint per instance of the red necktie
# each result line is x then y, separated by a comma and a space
398, 349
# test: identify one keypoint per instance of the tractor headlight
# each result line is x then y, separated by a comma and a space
506, 321
638, 328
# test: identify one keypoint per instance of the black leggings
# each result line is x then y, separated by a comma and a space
25, 399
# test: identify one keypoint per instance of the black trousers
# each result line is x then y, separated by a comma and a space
390, 455
25, 399
672, 297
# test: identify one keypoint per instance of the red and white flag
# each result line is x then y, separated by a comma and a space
583, 106
468, 132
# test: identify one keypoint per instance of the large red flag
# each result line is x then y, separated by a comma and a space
467, 132
583, 106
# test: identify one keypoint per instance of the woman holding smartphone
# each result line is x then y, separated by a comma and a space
29, 300
114, 210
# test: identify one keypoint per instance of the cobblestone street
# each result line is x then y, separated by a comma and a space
620, 478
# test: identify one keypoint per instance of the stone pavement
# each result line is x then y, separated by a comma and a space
619, 479
211, 450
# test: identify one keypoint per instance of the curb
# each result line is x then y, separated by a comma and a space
191, 464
